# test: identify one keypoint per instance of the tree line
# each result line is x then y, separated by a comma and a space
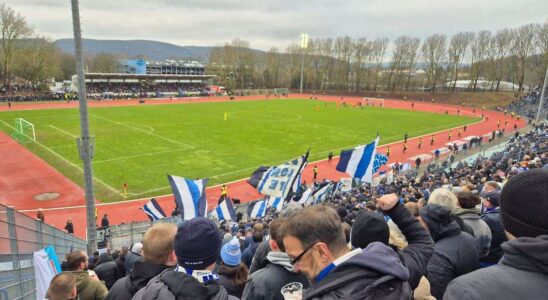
517, 55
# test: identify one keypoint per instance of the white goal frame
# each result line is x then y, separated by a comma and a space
379, 102
19, 123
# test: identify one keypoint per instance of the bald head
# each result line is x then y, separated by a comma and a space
62, 287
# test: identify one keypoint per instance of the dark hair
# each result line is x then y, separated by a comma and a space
468, 199
74, 259
276, 233
318, 223
238, 274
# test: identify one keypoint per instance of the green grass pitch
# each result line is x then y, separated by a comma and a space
140, 145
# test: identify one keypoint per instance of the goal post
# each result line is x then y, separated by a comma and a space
24, 131
378, 102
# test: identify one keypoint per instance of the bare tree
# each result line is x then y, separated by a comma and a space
478, 53
522, 47
379, 49
40, 61
433, 53
458, 47
411, 57
398, 55
541, 42
499, 49
362, 52
14, 28
104, 63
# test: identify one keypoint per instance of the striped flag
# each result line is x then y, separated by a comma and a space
358, 162
277, 203
224, 211
306, 197
257, 209
380, 160
279, 180
153, 210
189, 196
322, 192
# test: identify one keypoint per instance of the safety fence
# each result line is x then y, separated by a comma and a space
20, 236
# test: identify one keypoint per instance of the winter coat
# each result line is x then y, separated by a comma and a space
127, 286
492, 219
88, 288
455, 252
230, 287
268, 282
131, 258
259, 259
107, 270
420, 247
522, 273
120, 265
171, 284
377, 264
482, 232
249, 252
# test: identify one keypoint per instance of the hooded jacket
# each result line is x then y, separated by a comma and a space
492, 219
482, 232
352, 279
126, 287
88, 288
522, 274
171, 284
455, 252
267, 282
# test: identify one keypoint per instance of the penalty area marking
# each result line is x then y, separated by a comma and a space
65, 132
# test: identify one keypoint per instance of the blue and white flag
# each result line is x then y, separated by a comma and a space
358, 162
189, 196
224, 211
279, 180
306, 198
277, 203
322, 192
257, 209
153, 210
380, 160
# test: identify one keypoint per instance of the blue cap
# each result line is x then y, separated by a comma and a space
231, 254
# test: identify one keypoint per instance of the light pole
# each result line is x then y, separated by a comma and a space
84, 143
542, 95
304, 45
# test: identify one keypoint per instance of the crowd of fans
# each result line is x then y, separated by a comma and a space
104, 90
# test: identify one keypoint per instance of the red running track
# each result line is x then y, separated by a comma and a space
25, 175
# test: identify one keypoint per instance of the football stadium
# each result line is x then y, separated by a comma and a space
155, 158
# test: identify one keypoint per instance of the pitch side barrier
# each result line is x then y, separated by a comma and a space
20, 236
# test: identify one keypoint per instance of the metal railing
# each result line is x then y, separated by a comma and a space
20, 236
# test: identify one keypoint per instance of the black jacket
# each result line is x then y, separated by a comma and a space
497, 236
455, 252
521, 274
229, 285
137, 279
131, 258
420, 247
120, 265
170, 285
106, 270
267, 283
259, 259
352, 279
249, 252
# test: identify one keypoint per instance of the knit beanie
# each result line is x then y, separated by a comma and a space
231, 254
524, 204
369, 227
197, 243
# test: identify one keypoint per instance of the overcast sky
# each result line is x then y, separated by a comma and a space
276, 22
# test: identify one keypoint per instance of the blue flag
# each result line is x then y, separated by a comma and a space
277, 203
380, 160
224, 211
257, 209
321, 193
278, 181
153, 210
189, 196
358, 162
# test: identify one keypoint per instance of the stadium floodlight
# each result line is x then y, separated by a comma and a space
541, 101
304, 45
85, 148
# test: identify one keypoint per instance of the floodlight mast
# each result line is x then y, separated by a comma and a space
541, 102
85, 150
304, 45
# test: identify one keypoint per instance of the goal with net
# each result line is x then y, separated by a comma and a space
378, 102
24, 131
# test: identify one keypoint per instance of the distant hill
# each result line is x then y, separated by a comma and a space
151, 50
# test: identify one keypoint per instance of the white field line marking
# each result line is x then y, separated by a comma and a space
63, 131
145, 131
68, 161
138, 155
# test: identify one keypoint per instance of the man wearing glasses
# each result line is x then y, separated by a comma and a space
315, 242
